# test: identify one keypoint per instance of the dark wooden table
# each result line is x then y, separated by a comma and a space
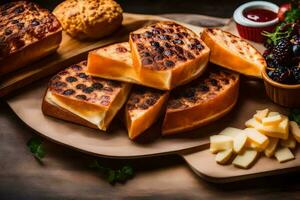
65, 174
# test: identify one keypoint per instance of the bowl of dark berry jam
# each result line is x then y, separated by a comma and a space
254, 17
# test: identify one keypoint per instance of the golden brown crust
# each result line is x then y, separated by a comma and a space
234, 53
200, 102
27, 33
143, 108
89, 19
60, 113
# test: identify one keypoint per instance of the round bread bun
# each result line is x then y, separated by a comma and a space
89, 19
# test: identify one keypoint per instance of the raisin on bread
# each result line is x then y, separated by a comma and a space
143, 108
74, 96
200, 102
167, 54
232, 52
27, 33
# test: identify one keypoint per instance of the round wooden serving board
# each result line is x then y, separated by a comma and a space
192, 145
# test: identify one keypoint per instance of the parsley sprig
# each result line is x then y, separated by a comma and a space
36, 147
113, 175
295, 115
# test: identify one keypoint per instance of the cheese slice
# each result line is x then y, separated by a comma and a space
260, 114
220, 143
284, 154
273, 114
256, 137
272, 120
295, 130
281, 131
289, 143
269, 151
238, 136
245, 159
222, 157
251, 145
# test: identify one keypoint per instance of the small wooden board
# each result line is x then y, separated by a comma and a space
192, 146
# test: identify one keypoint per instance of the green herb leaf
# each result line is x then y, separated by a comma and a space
292, 15
295, 115
35, 146
111, 175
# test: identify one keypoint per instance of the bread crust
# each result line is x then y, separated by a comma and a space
201, 113
60, 113
225, 57
28, 33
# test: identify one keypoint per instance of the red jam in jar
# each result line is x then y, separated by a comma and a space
259, 15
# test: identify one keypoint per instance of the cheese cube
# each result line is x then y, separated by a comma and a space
281, 131
258, 138
260, 114
269, 151
272, 120
284, 154
231, 132
223, 156
246, 159
273, 114
289, 143
238, 136
252, 145
220, 143
295, 130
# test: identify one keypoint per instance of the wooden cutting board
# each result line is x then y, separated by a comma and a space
192, 146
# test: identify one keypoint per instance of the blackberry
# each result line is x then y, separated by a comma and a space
281, 75
296, 74
282, 51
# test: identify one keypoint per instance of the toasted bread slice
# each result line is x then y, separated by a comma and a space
143, 109
232, 52
112, 62
82, 99
201, 101
166, 54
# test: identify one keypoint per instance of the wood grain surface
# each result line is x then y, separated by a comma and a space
65, 174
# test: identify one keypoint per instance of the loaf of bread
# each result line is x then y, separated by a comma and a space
143, 109
167, 54
234, 53
74, 96
89, 19
202, 101
27, 33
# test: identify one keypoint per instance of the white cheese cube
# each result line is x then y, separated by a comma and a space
273, 114
258, 138
238, 136
269, 151
223, 156
284, 154
220, 143
272, 120
231, 132
295, 130
289, 143
260, 114
245, 159
281, 131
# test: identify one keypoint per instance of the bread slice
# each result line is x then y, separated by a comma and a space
27, 33
143, 109
113, 62
200, 102
74, 96
232, 52
167, 54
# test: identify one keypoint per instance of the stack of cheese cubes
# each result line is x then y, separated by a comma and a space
269, 132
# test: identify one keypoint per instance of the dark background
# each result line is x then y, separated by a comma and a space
217, 8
